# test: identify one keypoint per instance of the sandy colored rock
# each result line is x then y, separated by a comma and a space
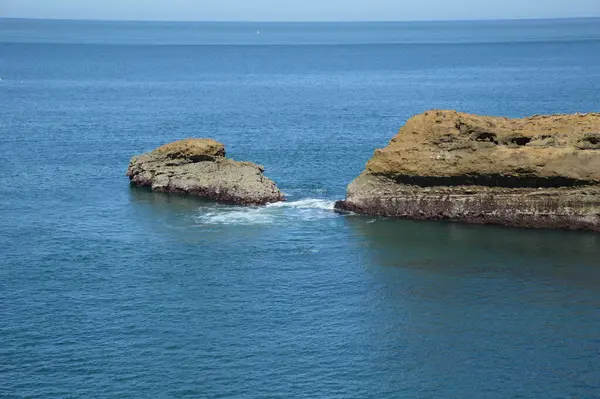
542, 171
192, 149
199, 167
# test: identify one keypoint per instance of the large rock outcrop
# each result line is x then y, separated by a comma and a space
542, 171
199, 167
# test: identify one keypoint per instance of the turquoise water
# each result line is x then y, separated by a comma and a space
109, 291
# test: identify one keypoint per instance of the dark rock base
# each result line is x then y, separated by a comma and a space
560, 208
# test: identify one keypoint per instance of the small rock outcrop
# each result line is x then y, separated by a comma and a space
199, 167
542, 171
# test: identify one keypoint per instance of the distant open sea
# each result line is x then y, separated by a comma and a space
109, 291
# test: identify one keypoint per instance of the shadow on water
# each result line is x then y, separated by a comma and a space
490, 298
195, 220
457, 249
177, 216
165, 202
441, 248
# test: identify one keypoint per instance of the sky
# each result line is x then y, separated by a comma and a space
298, 10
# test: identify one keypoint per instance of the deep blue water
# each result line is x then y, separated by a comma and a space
108, 291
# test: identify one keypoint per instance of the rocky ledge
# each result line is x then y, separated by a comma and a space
199, 167
542, 171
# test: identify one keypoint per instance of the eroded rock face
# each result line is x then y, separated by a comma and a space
199, 167
542, 171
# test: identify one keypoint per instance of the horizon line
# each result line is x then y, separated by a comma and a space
298, 21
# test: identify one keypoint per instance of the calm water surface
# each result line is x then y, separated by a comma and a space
108, 291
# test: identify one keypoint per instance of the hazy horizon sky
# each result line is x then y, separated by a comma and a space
297, 10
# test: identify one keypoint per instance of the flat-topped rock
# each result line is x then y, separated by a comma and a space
194, 150
199, 167
541, 171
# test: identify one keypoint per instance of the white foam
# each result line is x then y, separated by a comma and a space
281, 212
308, 203
247, 216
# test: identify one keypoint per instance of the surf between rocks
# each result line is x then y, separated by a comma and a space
308, 209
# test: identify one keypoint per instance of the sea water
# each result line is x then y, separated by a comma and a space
111, 291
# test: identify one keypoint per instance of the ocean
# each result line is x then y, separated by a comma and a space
112, 291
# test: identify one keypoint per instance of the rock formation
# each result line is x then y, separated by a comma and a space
542, 171
199, 167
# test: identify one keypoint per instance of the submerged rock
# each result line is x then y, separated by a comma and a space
199, 167
542, 171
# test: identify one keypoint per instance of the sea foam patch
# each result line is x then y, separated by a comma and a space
309, 203
287, 211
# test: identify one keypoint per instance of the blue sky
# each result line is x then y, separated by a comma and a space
298, 10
